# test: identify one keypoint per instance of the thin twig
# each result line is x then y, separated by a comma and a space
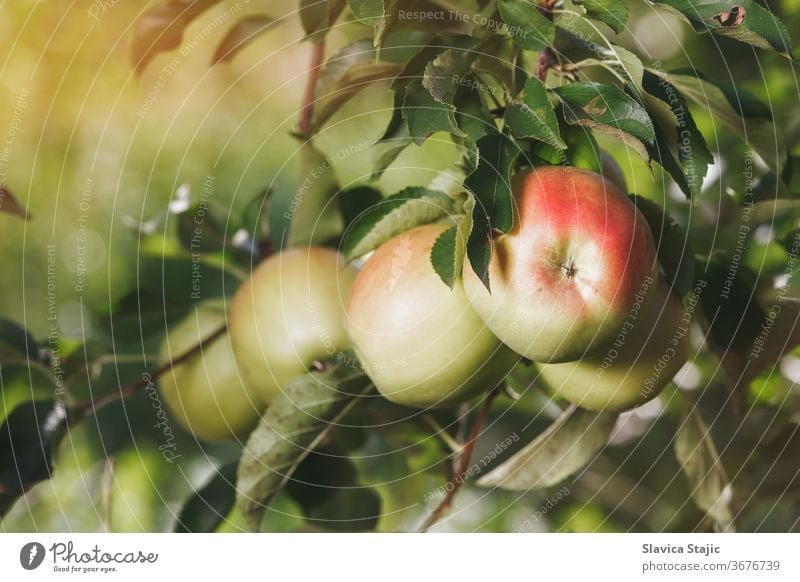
547, 57
145, 380
455, 482
307, 111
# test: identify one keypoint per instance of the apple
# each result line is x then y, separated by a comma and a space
564, 278
418, 340
289, 314
206, 393
649, 349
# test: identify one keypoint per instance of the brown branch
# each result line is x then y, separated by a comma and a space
547, 57
456, 480
145, 380
307, 110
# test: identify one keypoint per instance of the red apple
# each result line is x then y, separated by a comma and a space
647, 352
418, 340
565, 277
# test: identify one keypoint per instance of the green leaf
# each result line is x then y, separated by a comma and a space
313, 218
10, 205
703, 469
760, 134
677, 136
349, 510
242, 34
16, 343
490, 186
408, 208
528, 27
208, 506
442, 73
307, 409
28, 441
355, 201
318, 16
566, 446
447, 254
472, 114
582, 149
608, 109
672, 244
424, 115
533, 116
367, 11
183, 280
614, 13
379, 14
743, 20
160, 29
357, 77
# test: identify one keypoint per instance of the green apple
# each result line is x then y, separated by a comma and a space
289, 314
649, 349
564, 278
206, 393
418, 340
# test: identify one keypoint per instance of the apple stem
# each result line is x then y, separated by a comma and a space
125, 392
456, 480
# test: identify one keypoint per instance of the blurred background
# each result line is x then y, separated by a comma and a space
99, 155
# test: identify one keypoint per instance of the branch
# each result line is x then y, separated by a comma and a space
129, 390
307, 110
457, 479
546, 56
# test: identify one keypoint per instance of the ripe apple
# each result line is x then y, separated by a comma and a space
418, 340
649, 349
289, 314
206, 393
565, 277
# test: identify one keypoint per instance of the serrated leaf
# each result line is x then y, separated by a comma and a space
680, 147
29, 437
160, 29
743, 20
424, 115
313, 218
708, 483
358, 76
242, 34
443, 71
207, 507
565, 447
408, 208
10, 205
608, 109
533, 115
293, 425
528, 27
761, 134
445, 256
672, 244
490, 185
614, 13
318, 16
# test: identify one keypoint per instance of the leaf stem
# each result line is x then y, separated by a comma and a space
455, 482
144, 380
307, 110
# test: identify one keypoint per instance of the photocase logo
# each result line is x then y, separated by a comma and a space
31, 555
